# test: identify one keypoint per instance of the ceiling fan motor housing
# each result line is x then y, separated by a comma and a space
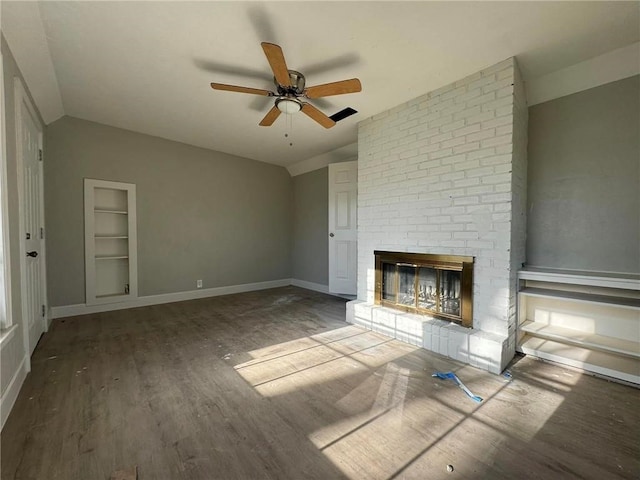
297, 84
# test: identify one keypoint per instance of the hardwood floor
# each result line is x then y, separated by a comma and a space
275, 385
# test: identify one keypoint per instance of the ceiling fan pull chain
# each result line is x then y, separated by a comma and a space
290, 129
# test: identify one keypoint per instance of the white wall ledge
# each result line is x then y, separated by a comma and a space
628, 281
7, 334
610, 67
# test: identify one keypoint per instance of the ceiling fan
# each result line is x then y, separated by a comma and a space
291, 91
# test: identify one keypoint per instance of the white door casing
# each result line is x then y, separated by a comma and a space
5, 272
343, 227
31, 215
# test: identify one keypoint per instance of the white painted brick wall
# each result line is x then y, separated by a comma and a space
518, 200
446, 173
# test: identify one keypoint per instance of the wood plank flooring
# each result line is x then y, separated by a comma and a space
275, 385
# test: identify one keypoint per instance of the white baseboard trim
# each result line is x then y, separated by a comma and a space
83, 309
316, 287
10, 395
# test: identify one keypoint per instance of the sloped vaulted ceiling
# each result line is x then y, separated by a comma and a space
147, 66
23, 29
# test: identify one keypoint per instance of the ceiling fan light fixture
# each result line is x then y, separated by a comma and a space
288, 105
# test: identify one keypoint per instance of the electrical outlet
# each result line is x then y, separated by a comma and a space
198, 283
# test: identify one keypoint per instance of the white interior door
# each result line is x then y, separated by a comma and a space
31, 219
343, 227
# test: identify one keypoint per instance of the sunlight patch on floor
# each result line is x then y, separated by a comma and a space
308, 361
391, 393
414, 434
389, 412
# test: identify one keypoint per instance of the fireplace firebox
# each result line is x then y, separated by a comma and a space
439, 285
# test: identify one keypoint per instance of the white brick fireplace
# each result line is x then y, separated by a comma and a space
445, 173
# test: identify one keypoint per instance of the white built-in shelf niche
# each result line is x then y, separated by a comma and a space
110, 241
589, 320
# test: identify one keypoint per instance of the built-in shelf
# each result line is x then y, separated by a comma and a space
110, 242
597, 361
582, 297
111, 257
588, 320
111, 237
116, 212
115, 296
582, 339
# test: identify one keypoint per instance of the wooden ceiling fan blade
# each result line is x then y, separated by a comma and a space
315, 114
352, 85
270, 117
278, 65
234, 88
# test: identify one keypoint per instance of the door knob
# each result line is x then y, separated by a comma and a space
331, 235
33, 254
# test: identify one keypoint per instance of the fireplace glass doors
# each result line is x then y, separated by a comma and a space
440, 285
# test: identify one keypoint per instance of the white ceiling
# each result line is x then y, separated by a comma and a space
147, 66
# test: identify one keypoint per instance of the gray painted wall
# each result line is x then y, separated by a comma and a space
201, 214
584, 180
310, 256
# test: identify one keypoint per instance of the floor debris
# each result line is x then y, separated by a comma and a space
130, 473
453, 376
